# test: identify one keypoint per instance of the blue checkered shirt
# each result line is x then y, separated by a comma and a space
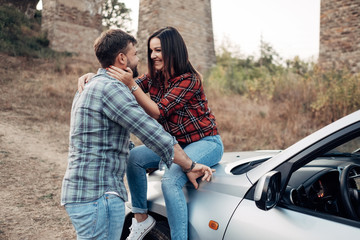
102, 118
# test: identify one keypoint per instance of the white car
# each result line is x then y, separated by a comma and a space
311, 190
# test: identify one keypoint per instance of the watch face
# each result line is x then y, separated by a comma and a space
134, 88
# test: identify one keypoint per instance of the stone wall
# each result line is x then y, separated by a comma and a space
340, 35
191, 18
73, 26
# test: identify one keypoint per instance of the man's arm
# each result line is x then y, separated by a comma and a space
121, 107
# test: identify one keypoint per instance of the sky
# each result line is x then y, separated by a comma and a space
291, 27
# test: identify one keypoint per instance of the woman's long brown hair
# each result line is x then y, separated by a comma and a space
174, 54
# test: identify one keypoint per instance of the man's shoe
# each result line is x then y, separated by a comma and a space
139, 230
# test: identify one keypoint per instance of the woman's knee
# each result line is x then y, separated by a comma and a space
168, 183
143, 157
174, 179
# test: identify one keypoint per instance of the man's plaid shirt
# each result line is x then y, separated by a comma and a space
102, 118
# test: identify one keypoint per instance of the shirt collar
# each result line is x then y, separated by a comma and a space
101, 71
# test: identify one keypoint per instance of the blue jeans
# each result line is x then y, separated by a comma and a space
99, 219
207, 151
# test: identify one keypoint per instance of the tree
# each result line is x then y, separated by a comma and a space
28, 7
269, 58
115, 14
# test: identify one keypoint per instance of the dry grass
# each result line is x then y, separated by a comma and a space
254, 125
43, 91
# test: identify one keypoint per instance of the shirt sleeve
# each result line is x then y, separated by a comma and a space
179, 94
143, 82
121, 107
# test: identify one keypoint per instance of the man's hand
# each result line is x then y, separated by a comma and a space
200, 170
84, 79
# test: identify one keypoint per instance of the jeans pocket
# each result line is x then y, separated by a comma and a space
84, 217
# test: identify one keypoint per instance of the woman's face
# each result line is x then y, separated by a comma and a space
156, 55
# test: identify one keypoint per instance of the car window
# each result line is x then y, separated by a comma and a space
316, 186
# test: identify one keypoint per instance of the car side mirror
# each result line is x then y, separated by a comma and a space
267, 191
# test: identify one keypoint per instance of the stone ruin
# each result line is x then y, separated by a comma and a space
340, 35
73, 26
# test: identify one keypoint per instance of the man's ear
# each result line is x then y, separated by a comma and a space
122, 59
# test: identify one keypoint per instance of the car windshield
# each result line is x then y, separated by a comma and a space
350, 149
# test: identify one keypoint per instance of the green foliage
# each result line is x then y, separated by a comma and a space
247, 76
115, 14
297, 83
20, 36
338, 93
269, 58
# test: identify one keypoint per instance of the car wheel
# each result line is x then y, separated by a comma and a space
161, 231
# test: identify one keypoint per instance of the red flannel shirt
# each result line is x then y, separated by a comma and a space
184, 111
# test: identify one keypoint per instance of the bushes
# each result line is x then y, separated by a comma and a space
302, 86
20, 36
267, 105
338, 93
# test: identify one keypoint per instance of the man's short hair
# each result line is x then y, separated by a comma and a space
110, 43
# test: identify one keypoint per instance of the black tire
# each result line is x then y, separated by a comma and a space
127, 224
161, 231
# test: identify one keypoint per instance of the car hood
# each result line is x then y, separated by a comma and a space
225, 180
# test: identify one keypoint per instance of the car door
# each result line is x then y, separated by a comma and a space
249, 222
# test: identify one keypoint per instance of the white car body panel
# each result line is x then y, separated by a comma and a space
295, 225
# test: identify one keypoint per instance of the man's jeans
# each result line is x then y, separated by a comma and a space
99, 219
207, 151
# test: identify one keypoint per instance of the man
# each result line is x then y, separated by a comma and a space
102, 118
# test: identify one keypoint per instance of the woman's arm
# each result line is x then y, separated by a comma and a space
182, 91
126, 76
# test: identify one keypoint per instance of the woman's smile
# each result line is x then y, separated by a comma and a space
156, 54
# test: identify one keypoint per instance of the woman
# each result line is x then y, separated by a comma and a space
179, 104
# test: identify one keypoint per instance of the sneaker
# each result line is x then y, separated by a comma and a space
139, 230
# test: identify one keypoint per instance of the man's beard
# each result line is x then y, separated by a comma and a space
133, 69
135, 72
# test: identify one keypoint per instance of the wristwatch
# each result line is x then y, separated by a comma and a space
191, 168
134, 88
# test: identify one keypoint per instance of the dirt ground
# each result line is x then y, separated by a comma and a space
33, 151
32, 164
